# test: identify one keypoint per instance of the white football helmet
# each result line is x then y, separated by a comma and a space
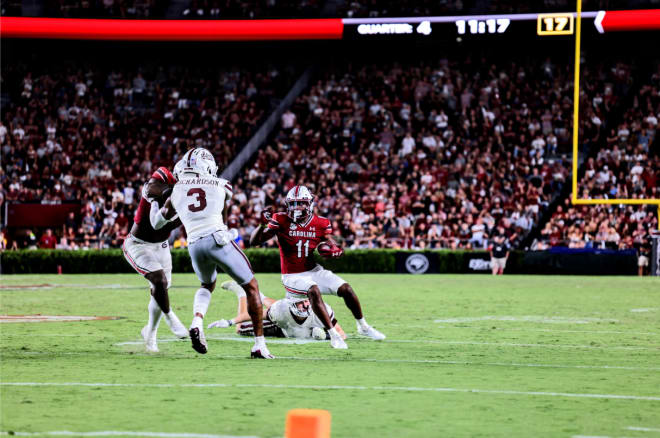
299, 203
178, 169
197, 160
300, 308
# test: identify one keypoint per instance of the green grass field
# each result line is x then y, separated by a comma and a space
513, 356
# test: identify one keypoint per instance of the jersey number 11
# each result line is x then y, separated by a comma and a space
300, 245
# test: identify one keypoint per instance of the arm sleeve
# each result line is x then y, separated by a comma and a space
229, 191
274, 223
156, 217
328, 229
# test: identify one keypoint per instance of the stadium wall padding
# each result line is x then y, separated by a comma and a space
354, 261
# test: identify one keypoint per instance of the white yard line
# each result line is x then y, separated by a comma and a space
407, 341
124, 433
643, 429
527, 318
506, 329
513, 344
352, 359
341, 387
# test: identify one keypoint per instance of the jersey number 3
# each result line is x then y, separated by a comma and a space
200, 200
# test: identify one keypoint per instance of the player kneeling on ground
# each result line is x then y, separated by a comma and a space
284, 318
148, 252
299, 232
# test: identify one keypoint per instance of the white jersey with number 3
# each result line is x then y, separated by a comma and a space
199, 201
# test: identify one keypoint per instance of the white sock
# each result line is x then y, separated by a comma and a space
154, 315
262, 296
362, 323
200, 305
171, 318
238, 290
259, 341
334, 333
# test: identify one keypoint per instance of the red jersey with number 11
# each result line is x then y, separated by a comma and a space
298, 241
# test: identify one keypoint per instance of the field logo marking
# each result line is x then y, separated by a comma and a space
529, 318
652, 398
53, 318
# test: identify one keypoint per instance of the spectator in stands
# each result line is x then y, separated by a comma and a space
47, 241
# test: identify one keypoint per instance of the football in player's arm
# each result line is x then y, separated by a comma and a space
201, 200
147, 250
290, 319
299, 232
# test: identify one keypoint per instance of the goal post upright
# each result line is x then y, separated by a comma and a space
575, 200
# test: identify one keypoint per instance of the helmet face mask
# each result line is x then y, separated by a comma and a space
299, 211
299, 204
301, 308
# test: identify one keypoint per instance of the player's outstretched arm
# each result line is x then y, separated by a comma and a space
262, 233
340, 331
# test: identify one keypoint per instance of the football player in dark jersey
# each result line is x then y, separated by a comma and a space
148, 252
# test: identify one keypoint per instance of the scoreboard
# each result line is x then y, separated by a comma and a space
441, 28
491, 26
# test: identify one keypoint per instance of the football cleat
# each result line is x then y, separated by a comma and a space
149, 339
260, 353
372, 333
338, 343
176, 326
198, 340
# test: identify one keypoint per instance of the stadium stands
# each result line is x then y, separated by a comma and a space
94, 135
442, 154
422, 156
624, 164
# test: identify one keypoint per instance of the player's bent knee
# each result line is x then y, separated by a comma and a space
345, 289
158, 281
314, 293
209, 286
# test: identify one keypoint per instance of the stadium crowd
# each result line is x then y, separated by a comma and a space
443, 155
94, 135
627, 166
421, 156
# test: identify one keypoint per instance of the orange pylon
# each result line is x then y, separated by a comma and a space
307, 423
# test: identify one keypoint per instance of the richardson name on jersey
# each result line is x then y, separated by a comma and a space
200, 181
294, 233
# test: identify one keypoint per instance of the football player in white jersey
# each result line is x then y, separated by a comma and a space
285, 318
200, 199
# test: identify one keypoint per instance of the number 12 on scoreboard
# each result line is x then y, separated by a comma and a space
554, 24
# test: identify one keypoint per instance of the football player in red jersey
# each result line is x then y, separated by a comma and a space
148, 252
299, 232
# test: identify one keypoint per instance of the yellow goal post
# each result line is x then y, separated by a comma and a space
576, 129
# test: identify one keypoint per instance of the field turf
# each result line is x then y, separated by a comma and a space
513, 356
